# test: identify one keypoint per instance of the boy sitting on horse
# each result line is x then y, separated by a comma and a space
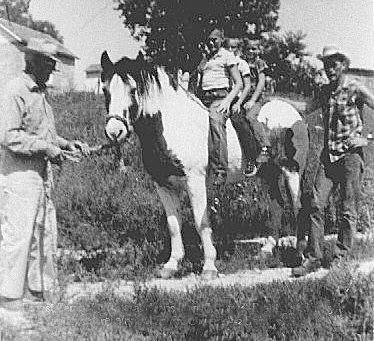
222, 75
249, 102
216, 69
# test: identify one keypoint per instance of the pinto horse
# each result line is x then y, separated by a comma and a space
173, 128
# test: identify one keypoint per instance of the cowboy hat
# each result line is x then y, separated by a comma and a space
330, 51
42, 47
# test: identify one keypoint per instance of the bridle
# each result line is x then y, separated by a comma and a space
126, 120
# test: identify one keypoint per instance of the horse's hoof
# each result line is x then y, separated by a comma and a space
208, 275
166, 273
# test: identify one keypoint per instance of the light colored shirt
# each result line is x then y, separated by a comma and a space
215, 72
27, 126
243, 67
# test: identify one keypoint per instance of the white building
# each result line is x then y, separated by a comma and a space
13, 39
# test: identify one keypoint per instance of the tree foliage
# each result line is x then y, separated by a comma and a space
18, 11
290, 66
173, 29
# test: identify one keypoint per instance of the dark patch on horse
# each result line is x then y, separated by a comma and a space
158, 160
142, 71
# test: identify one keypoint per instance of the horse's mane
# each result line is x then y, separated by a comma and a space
146, 74
153, 81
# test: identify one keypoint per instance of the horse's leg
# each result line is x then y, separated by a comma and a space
293, 181
171, 203
293, 185
196, 187
300, 146
272, 176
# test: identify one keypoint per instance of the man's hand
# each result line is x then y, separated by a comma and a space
355, 142
54, 154
249, 105
76, 146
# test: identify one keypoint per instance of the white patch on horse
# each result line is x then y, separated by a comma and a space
278, 114
236, 155
120, 99
185, 123
293, 182
150, 101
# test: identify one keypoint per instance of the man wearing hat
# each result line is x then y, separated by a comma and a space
215, 71
341, 161
29, 144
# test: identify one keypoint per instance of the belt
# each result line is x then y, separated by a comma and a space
216, 92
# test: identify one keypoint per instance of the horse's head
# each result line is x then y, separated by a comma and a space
121, 96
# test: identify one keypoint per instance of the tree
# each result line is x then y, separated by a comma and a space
18, 11
173, 29
289, 63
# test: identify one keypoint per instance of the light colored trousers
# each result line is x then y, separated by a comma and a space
28, 234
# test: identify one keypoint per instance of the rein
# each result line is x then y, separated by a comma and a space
193, 97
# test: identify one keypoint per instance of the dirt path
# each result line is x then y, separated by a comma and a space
244, 278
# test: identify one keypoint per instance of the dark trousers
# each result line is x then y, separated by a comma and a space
244, 130
251, 133
346, 173
258, 128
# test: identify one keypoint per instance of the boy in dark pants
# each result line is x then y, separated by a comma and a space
215, 70
247, 107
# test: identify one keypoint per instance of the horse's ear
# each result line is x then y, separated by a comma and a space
140, 56
106, 63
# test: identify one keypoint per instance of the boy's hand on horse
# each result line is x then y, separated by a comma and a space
249, 105
236, 108
224, 107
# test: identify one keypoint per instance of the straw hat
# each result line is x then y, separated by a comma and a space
42, 47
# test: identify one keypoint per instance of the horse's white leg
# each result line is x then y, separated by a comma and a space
293, 183
196, 187
171, 203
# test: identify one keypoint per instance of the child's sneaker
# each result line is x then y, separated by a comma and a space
309, 265
264, 155
250, 169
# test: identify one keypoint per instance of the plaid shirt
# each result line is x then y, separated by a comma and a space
343, 119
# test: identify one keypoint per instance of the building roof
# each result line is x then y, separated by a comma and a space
362, 72
22, 34
94, 68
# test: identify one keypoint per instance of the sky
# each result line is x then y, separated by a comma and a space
348, 24
91, 26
